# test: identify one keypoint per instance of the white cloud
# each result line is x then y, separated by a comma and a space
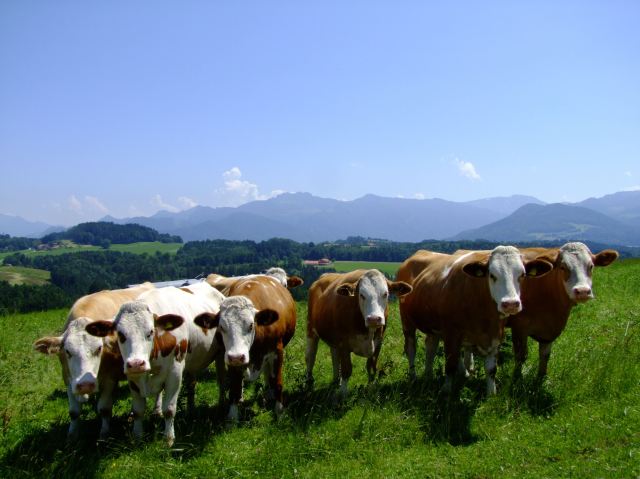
159, 203
632, 188
96, 204
419, 196
466, 169
187, 203
232, 174
74, 204
237, 191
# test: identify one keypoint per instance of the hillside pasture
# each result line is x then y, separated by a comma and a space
151, 247
19, 275
583, 420
388, 268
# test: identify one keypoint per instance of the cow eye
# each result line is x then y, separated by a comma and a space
361, 296
250, 328
68, 353
493, 277
149, 334
121, 337
98, 351
385, 295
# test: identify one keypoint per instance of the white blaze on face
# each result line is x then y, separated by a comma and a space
373, 295
237, 327
83, 353
134, 325
577, 266
505, 273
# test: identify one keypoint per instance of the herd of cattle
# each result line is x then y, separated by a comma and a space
158, 338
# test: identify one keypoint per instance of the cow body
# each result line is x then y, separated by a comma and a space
256, 321
463, 299
90, 364
547, 302
223, 283
349, 312
159, 341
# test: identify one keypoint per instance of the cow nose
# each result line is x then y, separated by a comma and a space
236, 359
510, 306
85, 387
375, 321
136, 365
582, 293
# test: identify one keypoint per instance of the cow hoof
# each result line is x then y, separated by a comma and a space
279, 409
170, 440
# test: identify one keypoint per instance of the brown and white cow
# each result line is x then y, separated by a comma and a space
159, 341
349, 312
547, 302
89, 364
464, 299
222, 283
256, 321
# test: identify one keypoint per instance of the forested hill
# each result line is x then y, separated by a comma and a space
103, 233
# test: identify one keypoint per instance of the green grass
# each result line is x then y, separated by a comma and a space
19, 275
386, 267
582, 421
136, 248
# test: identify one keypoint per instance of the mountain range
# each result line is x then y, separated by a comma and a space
612, 219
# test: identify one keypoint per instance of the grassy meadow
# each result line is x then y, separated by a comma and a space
150, 247
19, 275
582, 421
389, 268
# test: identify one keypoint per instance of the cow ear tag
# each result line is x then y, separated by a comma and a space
533, 271
479, 273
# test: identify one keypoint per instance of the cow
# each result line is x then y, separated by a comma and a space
222, 283
159, 342
464, 299
90, 365
348, 311
256, 321
547, 302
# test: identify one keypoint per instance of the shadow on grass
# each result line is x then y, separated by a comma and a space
531, 393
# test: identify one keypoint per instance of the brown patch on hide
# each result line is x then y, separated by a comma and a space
163, 345
181, 350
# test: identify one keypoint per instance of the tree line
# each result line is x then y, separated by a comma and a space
104, 233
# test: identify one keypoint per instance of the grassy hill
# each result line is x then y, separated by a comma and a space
582, 421
137, 248
389, 268
19, 275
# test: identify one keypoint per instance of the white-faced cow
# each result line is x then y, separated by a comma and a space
547, 302
159, 340
349, 312
464, 299
89, 364
223, 283
256, 321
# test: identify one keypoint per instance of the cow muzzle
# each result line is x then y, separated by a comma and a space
236, 359
374, 321
136, 366
510, 306
582, 294
85, 387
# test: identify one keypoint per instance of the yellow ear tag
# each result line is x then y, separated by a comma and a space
479, 273
533, 272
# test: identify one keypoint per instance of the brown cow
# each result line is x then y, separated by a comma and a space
223, 283
464, 299
547, 302
256, 321
349, 312
90, 364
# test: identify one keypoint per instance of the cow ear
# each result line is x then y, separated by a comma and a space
168, 322
346, 290
476, 269
266, 317
537, 268
207, 320
100, 328
48, 345
294, 281
605, 257
399, 288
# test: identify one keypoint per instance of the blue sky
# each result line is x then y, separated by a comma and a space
125, 108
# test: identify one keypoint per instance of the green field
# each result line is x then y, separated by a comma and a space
389, 268
583, 421
136, 248
19, 275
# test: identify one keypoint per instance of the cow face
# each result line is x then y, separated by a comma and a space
237, 322
373, 296
280, 275
140, 333
576, 263
504, 270
82, 353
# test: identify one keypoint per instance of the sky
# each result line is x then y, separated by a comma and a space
125, 108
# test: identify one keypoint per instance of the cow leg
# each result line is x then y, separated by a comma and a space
372, 361
431, 348
469, 366
235, 393
157, 405
410, 350
335, 361
310, 356
105, 404
490, 368
520, 351
452, 359
138, 404
221, 377
275, 379
345, 371
190, 385
74, 414
543, 360
170, 402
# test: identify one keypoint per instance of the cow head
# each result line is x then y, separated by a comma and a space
82, 353
373, 296
504, 269
237, 322
139, 334
575, 262
281, 276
